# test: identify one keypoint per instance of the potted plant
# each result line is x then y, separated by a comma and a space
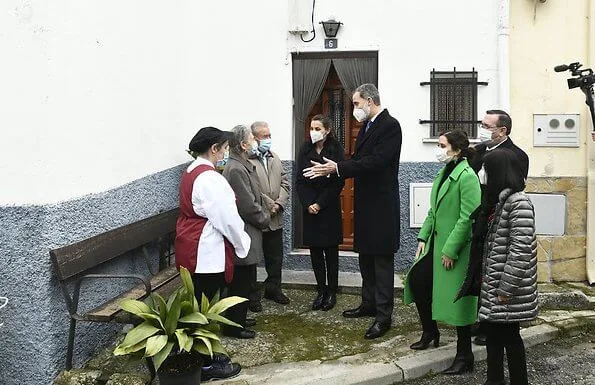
174, 333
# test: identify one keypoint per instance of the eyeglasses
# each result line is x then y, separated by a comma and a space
481, 125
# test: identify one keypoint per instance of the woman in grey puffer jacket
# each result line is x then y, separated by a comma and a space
509, 285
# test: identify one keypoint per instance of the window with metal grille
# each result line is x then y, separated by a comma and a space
453, 102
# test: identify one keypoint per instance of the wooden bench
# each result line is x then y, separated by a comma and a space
72, 262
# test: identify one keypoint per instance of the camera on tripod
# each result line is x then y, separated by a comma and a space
585, 78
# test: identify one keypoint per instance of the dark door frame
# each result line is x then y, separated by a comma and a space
298, 136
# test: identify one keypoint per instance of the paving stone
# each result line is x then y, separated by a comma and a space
78, 377
126, 379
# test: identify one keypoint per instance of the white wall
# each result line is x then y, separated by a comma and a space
412, 38
96, 94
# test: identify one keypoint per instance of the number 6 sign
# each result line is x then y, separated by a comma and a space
330, 43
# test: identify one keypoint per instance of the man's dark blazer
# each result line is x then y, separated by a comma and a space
374, 167
481, 150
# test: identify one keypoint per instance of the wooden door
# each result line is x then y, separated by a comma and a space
335, 103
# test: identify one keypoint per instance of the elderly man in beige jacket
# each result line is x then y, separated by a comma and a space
275, 188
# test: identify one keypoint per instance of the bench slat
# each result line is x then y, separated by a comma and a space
107, 311
78, 257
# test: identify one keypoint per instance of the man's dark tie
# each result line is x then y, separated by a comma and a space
368, 125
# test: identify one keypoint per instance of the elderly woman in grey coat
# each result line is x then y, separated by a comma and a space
509, 283
242, 177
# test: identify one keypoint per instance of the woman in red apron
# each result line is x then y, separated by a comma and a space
209, 230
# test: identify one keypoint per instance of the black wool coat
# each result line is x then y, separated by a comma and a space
481, 150
325, 228
375, 167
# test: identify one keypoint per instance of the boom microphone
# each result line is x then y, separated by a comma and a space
561, 68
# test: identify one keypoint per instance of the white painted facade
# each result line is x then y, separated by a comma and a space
95, 94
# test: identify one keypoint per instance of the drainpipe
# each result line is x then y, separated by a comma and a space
503, 56
590, 257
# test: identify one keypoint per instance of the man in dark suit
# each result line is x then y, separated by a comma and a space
494, 130
374, 167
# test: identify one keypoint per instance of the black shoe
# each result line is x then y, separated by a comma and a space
329, 302
480, 340
459, 366
244, 334
255, 306
426, 339
378, 329
359, 312
495, 382
219, 370
250, 322
277, 296
317, 304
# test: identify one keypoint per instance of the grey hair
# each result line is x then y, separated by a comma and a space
240, 133
369, 90
256, 125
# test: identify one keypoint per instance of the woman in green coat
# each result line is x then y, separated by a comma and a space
442, 256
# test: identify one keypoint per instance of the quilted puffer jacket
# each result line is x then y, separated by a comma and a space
510, 262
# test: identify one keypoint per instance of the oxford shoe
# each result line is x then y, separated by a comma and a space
378, 329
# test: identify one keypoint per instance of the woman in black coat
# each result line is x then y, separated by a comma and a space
322, 210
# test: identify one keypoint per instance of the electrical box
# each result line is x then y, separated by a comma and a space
300, 17
550, 213
561, 130
419, 203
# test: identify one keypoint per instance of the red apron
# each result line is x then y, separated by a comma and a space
189, 228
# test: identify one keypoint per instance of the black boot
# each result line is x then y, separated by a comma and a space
329, 301
460, 365
464, 359
317, 304
426, 340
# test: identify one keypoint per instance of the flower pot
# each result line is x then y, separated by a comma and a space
188, 377
180, 369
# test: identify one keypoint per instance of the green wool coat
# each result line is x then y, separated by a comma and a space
447, 231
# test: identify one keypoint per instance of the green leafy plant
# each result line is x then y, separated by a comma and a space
177, 325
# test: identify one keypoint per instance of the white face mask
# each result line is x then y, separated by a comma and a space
361, 114
483, 177
316, 136
484, 134
442, 156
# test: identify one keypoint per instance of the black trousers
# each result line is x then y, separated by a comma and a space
208, 284
272, 245
421, 282
378, 281
241, 285
325, 263
507, 336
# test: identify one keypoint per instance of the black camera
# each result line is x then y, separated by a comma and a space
585, 78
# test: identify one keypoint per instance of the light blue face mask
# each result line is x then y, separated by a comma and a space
254, 149
221, 163
264, 145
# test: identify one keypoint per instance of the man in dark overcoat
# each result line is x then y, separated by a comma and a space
374, 167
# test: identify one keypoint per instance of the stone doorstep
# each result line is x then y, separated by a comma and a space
305, 279
337, 372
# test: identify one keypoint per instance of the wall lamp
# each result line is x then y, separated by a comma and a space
331, 27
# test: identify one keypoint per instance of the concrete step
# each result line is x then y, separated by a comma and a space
301, 279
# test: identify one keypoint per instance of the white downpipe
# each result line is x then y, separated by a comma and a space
503, 55
590, 257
